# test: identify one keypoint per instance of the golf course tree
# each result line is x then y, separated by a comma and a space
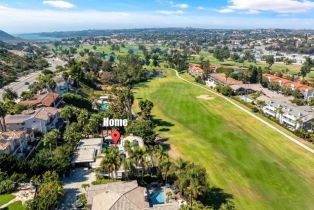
193, 184
125, 99
49, 192
144, 129
177, 60
270, 60
146, 107
221, 53
224, 90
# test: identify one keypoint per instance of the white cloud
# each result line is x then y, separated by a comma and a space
3, 7
174, 4
59, 4
277, 6
170, 12
181, 6
200, 8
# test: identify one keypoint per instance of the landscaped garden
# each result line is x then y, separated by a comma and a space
259, 166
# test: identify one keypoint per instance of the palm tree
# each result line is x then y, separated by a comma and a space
67, 113
111, 162
140, 158
297, 122
51, 138
3, 113
279, 111
195, 186
165, 167
126, 98
158, 155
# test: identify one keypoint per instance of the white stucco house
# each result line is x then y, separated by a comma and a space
42, 120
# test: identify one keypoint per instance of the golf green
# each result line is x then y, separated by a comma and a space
259, 166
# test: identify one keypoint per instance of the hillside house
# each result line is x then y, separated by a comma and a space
42, 120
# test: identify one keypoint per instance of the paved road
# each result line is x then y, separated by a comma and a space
250, 113
19, 85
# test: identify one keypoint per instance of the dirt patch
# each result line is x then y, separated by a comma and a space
205, 97
174, 153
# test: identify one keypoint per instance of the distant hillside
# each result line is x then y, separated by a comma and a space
6, 37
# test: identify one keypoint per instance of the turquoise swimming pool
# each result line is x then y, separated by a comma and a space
104, 107
158, 197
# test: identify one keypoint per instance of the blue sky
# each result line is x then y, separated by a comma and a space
24, 16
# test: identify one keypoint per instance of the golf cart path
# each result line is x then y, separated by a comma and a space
250, 113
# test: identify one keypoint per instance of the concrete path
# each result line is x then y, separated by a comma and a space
8, 203
250, 113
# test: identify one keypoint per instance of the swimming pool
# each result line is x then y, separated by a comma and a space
158, 197
104, 107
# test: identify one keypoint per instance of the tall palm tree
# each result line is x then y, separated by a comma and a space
279, 111
111, 162
195, 186
165, 167
67, 113
51, 138
140, 158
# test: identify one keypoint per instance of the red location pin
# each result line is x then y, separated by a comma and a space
115, 135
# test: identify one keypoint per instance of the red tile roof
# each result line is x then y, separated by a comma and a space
287, 83
46, 99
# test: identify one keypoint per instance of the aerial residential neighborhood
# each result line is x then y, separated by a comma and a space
156, 105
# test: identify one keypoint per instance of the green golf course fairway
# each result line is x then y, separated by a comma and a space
261, 168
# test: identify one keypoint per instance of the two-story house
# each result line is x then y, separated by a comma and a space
49, 99
42, 120
13, 142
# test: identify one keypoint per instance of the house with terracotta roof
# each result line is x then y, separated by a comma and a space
307, 91
13, 142
49, 99
195, 70
42, 120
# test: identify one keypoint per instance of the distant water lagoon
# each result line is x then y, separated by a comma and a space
38, 37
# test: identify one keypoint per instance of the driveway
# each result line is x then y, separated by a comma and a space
73, 185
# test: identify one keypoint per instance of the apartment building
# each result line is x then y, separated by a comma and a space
294, 117
307, 91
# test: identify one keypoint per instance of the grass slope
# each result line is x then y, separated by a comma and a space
15, 206
5, 198
261, 168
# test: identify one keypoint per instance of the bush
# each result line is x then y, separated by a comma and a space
6, 186
77, 101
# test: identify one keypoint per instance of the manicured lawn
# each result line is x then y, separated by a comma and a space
15, 206
261, 168
293, 68
6, 198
